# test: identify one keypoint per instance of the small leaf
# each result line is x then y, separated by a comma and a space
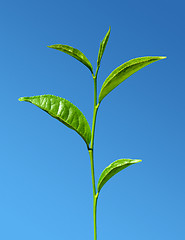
123, 72
114, 168
103, 46
74, 53
64, 111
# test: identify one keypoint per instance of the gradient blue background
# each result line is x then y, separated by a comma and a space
45, 181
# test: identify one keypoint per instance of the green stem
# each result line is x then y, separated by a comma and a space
95, 195
94, 215
92, 171
91, 154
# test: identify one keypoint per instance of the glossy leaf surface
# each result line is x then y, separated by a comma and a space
74, 53
64, 111
103, 46
123, 72
114, 168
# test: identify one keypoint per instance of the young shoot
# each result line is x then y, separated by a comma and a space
72, 117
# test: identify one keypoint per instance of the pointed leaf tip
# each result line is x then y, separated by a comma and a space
21, 99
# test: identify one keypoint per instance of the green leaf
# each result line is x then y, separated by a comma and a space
123, 72
103, 46
64, 111
74, 53
114, 168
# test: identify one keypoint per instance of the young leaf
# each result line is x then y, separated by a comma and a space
114, 168
103, 46
64, 111
123, 72
74, 53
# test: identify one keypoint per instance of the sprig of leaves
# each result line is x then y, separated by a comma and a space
67, 113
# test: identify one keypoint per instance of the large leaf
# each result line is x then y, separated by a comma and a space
64, 111
114, 168
74, 53
103, 46
123, 72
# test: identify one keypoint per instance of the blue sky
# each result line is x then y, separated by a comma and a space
45, 180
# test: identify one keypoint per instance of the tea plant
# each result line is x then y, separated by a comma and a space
72, 117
